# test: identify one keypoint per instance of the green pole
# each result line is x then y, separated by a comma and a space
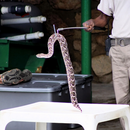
85, 38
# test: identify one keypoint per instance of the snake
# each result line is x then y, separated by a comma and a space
67, 61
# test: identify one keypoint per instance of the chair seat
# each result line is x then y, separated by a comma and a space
55, 112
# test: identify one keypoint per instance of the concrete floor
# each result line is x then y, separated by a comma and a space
104, 93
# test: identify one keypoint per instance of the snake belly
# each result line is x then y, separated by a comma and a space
68, 64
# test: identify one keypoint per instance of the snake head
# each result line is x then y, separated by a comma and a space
42, 55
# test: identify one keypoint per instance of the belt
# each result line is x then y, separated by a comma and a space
120, 41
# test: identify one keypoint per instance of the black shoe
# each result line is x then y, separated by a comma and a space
11, 77
26, 75
15, 76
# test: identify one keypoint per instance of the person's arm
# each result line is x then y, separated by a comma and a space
100, 21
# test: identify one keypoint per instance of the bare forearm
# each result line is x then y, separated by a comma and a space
100, 21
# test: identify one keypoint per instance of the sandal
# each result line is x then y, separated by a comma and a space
11, 77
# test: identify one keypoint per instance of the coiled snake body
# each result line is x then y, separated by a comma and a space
68, 64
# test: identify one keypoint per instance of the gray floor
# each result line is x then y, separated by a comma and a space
104, 93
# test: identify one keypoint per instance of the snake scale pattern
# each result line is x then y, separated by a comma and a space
68, 64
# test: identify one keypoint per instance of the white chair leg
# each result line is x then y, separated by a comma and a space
126, 122
40, 126
3, 124
126, 119
89, 125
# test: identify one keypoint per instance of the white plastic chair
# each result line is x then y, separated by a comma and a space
54, 112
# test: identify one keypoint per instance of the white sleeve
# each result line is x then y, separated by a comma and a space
106, 6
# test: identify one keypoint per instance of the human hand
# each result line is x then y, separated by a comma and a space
89, 25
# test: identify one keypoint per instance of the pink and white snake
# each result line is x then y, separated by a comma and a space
68, 64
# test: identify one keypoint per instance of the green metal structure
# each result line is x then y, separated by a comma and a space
22, 55
4, 54
86, 38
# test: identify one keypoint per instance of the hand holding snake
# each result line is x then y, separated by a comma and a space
68, 64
